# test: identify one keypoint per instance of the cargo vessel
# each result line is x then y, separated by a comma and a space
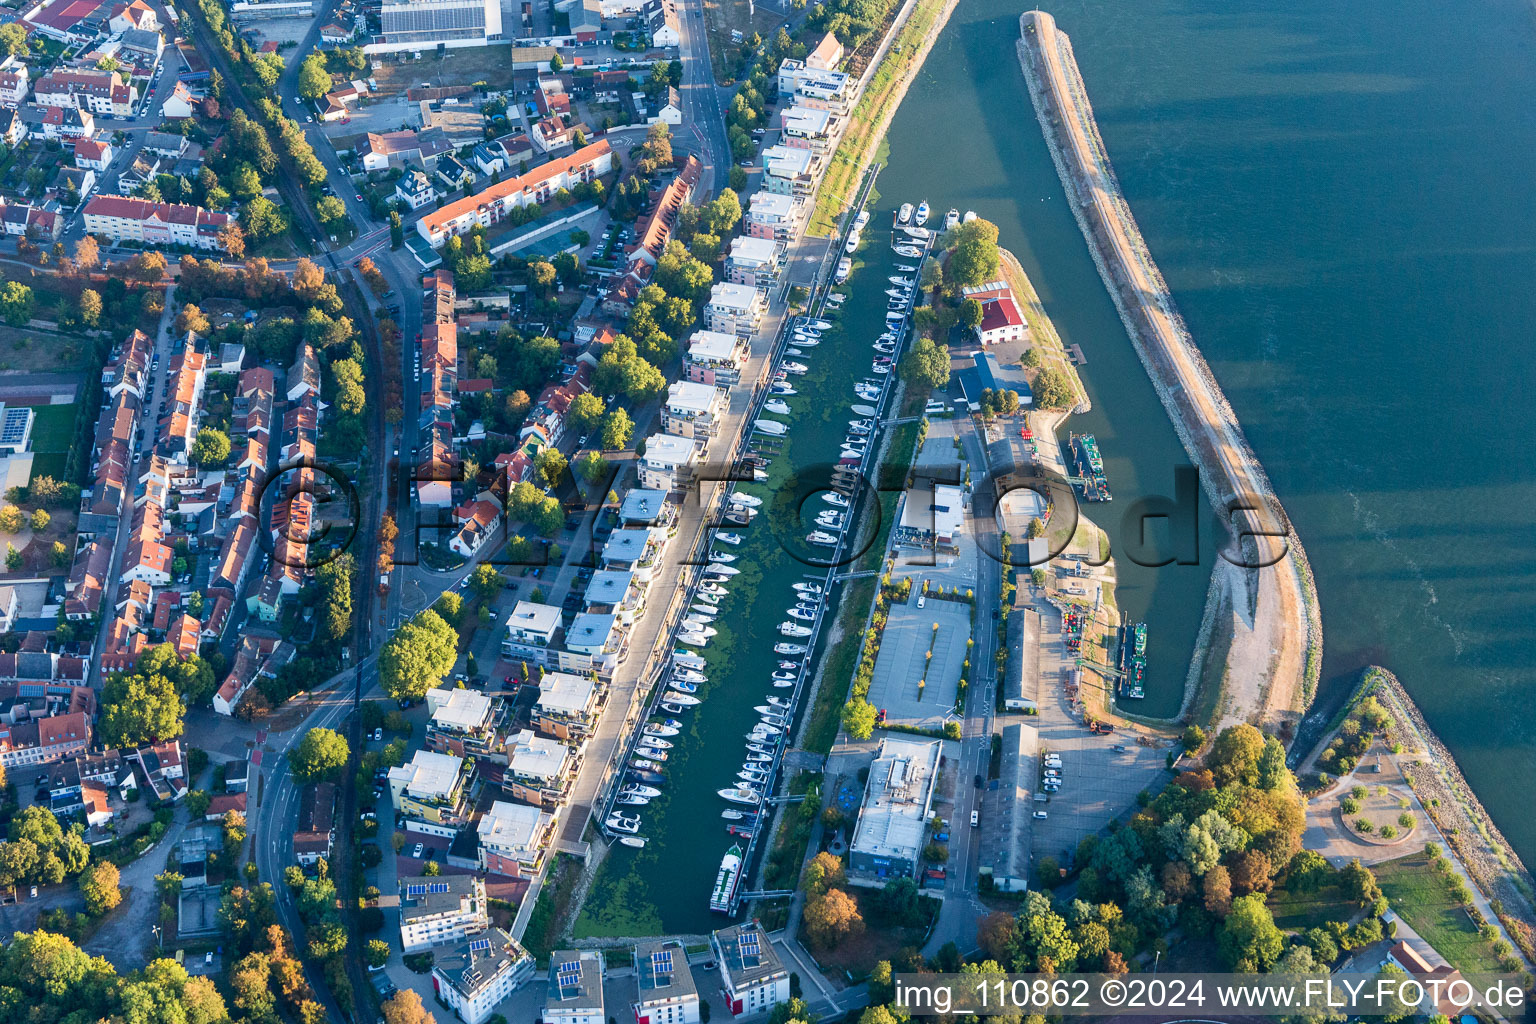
1133, 660
1089, 466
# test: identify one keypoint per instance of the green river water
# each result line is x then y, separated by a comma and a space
1340, 198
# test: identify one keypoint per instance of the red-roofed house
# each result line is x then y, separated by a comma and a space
92, 154
139, 220
223, 804
184, 635
478, 519
1000, 317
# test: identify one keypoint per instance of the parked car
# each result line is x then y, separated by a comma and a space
1041, 814
975, 818
418, 851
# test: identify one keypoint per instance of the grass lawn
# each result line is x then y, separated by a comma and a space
1420, 895
1296, 911
52, 433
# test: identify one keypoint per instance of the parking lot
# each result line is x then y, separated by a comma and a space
900, 686
1101, 774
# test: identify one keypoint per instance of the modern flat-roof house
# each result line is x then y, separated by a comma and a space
540, 770
693, 410
773, 216
614, 592
752, 978
595, 644
888, 838
432, 788
807, 128
816, 88
575, 987
752, 261
473, 977
645, 506
668, 462
665, 992
789, 171
734, 309
439, 909
463, 723
430, 24
567, 707
715, 358
636, 550
932, 514
531, 632
514, 838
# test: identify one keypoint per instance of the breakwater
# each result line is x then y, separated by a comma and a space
1273, 662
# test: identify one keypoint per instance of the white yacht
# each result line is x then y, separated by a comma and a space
793, 629
743, 498
904, 214
777, 406
921, 216
729, 538
782, 648
951, 219
773, 428
620, 823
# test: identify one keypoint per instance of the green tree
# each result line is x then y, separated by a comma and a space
970, 314
556, 62
859, 718
13, 40
100, 888
210, 448
1053, 390
137, 709
314, 80
551, 466
335, 581
1249, 940
11, 519
268, 67
376, 953
321, 754
485, 581
926, 365
16, 303
417, 657
330, 209
617, 429
90, 307
586, 409
592, 467
976, 257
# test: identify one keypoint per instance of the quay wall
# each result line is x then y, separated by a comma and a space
1203, 418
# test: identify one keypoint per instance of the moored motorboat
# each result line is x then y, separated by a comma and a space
861, 220
793, 629
821, 539
637, 842
653, 777
818, 325
864, 410
693, 639
723, 557
970, 215
749, 500
645, 791
951, 219
721, 569
789, 367
644, 765
780, 702
904, 215
782, 648
631, 800
773, 428
811, 588
682, 700
657, 729
682, 687
912, 252
739, 795
921, 217
776, 406
783, 389
729, 538
655, 742
802, 614
620, 823
713, 589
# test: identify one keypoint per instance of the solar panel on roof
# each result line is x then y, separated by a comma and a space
415, 890
476, 945
569, 979
661, 961
438, 887
570, 965
749, 945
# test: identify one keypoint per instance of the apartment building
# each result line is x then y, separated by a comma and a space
575, 987
665, 992
734, 309
437, 910
514, 839
635, 550
540, 770
807, 128
531, 633
754, 262
693, 410
432, 788
773, 216
464, 723
816, 88
614, 592
100, 92
491, 205
567, 707
124, 218
474, 977
594, 644
715, 358
789, 171
316, 832
752, 978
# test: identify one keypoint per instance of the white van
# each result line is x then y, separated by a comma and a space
975, 818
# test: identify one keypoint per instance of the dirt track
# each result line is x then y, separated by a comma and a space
1277, 634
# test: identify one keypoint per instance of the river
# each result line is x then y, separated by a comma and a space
1340, 198
1340, 202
